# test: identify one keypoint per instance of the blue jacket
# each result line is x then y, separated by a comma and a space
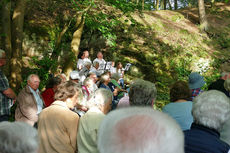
200, 139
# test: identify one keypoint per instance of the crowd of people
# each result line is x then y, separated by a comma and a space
92, 111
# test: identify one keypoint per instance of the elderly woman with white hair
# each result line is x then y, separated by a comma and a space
18, 137
99, 104
211, 109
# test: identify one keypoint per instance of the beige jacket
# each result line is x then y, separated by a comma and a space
88, 129
26, 110
57, 129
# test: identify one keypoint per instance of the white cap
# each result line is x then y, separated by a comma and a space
74, 75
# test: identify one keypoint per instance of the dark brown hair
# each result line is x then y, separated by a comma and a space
180, 90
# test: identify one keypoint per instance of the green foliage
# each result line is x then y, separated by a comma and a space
124, 5
223, 40
43, 68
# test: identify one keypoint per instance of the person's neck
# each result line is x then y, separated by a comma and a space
69, 104
180, 100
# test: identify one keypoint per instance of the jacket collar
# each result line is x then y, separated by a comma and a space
60, 103
206, 129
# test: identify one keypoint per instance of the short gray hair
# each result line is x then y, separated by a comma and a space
95, 63
1, 53
100, 97
88, 81
139, 130
31, 76
18, 137
142, 93
115, 76
87, 64
211, 109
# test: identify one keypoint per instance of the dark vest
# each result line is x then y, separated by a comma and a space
200, 139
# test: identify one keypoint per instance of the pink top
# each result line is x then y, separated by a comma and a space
124, 102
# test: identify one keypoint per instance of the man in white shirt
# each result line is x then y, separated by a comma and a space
101, 62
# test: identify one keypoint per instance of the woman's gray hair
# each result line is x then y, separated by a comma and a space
115, 76
87, 64
104, 77
95, 63
18, 137
100, 97
227, 84
67, 90
139, 130
211, 109
142, 93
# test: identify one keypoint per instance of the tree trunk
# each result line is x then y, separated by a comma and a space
175, 4
202, 15
157, 4
154, 5
143, 4
17, 38
165, 4
170, 6
6, 31
162, 4
75, 43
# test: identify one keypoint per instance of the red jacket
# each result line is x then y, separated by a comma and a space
48, 96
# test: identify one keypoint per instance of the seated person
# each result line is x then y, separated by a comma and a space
74, 76
104, 83
181, 105
95, 69
211, 109
87, 88
196, 81
139, 130
99, 105
84, 71
48, 94
114, 84
18, 137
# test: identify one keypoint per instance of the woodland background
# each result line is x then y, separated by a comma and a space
164, 40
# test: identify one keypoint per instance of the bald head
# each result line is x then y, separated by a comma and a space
139, 130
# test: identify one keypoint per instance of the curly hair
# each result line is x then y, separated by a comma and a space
67, 90
180, 90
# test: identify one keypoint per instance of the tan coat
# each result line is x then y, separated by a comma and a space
26, 110
57, 129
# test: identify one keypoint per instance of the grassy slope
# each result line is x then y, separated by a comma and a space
163, 46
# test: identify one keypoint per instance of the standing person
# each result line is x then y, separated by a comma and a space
30, 102
210, 110
100, 105
180, 107
101, 62
139, 130
7, 95
84, 58
57, 125
196, 81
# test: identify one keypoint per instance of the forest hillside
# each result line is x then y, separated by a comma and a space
162, 46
